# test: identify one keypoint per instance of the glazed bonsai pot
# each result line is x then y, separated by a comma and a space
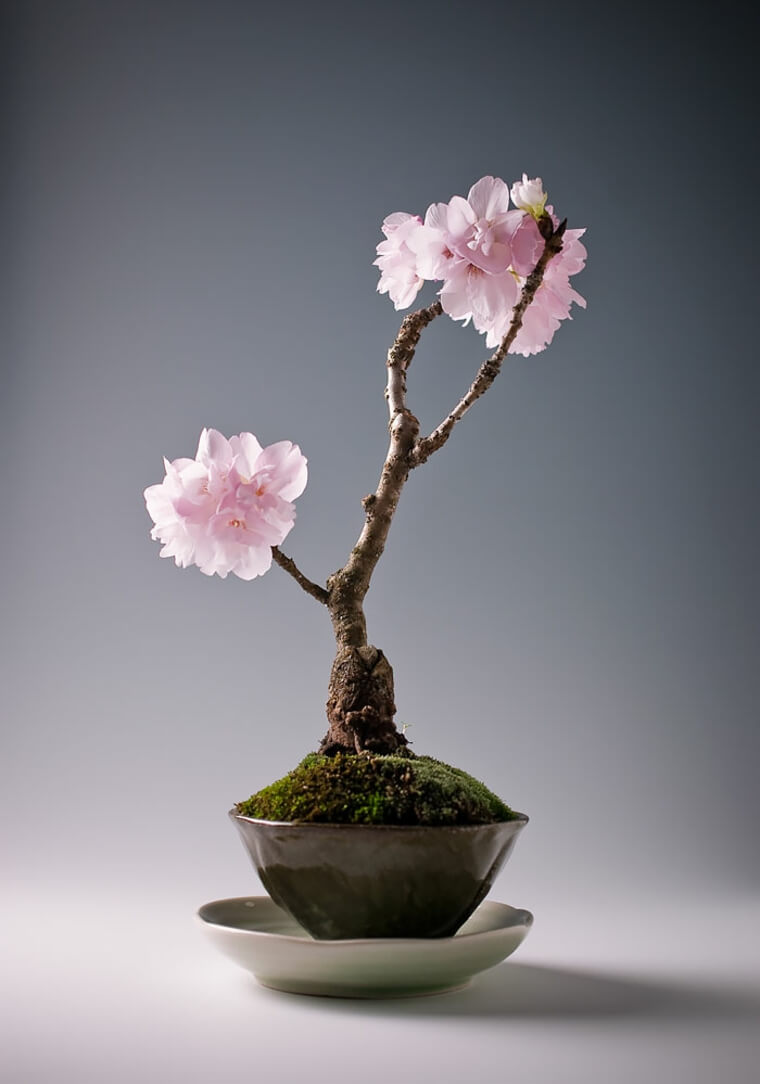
356, 881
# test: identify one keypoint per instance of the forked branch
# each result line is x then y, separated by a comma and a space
489, 370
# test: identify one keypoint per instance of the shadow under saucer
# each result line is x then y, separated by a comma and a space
542, 992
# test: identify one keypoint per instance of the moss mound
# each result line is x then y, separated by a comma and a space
348, 789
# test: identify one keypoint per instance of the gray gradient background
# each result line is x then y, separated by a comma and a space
193, 193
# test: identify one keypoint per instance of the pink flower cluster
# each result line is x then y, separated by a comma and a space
482, 252
224, 510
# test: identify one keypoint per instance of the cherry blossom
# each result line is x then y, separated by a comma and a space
469, 244
397, 261
482, 253
224, 510
469, 293
551, 304
430, 244
479, 228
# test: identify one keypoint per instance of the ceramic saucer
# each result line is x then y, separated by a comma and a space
259, 936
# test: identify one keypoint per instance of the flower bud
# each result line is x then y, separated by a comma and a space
529, 195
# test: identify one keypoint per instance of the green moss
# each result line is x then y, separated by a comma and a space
376, 790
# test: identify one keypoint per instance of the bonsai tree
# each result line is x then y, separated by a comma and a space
229, 509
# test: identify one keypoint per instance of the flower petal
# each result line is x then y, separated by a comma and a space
213, 448
252, 562
246, 449
461, 217
489, 197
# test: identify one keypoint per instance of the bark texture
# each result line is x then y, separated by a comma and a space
360, 705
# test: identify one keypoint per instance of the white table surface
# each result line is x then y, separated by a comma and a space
107, 988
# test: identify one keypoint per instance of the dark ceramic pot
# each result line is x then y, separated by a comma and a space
342, 881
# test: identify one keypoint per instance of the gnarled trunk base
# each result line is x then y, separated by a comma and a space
360, 705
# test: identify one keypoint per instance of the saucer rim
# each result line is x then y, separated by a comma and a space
506, 909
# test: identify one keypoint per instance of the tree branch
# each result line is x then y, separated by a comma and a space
289, 565
348, 586
401, 353
490, 369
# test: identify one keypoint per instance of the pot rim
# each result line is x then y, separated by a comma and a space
518, 819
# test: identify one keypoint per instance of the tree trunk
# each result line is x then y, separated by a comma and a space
360, 704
